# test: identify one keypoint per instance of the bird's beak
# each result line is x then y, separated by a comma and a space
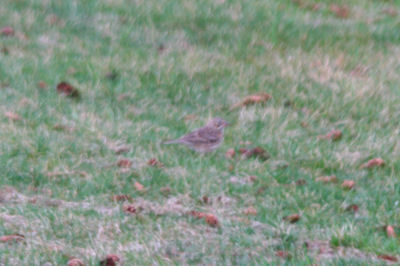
227, 124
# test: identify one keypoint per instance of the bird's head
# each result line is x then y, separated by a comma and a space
218, 123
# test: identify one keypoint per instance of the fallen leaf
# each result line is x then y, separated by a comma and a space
252, 178
254, 152
230, 153
339, 11
390, 231
205, 199
42, 85
332, 135
390, 12
348, 184
165, 190
67, 90
197, 214
155, 163
293, 218
252, 99
121, 197
261, 189
122, 149
138, 186
110, 260
12, 116
75, 262
352, 208
388, 257
327, 179
373, 163
304, 124
7, 31
300, 182
250, 211
124, 163
12, 238
282, 254
129, 209
60, 127
211, 220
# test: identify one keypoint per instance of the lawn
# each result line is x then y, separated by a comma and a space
85, 177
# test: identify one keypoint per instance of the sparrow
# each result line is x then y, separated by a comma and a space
204, 139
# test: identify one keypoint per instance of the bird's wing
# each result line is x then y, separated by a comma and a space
203, 136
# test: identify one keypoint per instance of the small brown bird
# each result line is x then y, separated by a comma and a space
205, 139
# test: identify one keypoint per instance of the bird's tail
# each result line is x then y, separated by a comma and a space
173, 141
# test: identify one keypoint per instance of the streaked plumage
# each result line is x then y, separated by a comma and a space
205, 139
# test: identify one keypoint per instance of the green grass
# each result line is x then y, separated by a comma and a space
176, 59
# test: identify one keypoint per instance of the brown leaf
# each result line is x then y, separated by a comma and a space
60, 127
304, 124
352, 208
165, 190
124, 163
327, 179
197, 214
211, 220
388, 257
110, 260
339, 11
205, 199
12, 238
255, 152
250, 211
373, 163
67, 90
155, 163
300, 182
390, 231
122, 149
138, 186
252, 99
12, 116
282, 254
348, 184
230, 153
121, 197
293, 218
129, 209
42, 85
332, 135
75, 262
390, 12
7, 31
252, 178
